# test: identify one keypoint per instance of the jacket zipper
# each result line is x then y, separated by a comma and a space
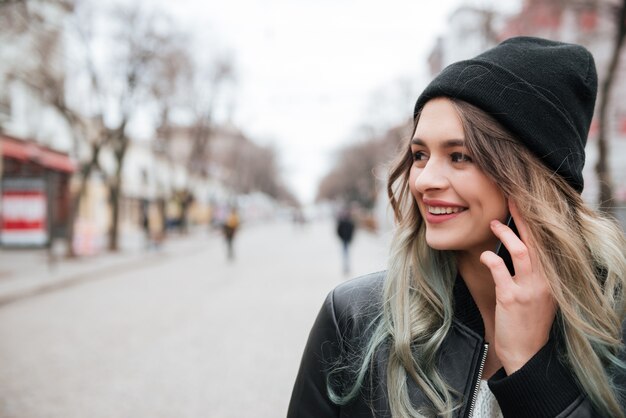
477, 384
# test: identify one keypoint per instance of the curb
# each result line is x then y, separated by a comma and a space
96, 273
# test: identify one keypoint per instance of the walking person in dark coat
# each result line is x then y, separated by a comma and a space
345, 231
230, 226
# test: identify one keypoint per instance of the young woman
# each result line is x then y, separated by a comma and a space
448, 330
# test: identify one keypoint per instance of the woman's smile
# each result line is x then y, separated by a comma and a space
437, 211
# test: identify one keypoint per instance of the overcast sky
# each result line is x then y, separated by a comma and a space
310, 73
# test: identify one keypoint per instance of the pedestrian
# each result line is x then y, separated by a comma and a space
447, 330
345, 231
156, 225
230, 226
145, 221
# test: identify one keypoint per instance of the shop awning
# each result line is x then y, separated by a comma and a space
30, 151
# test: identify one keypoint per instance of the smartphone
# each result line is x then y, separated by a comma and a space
503, 252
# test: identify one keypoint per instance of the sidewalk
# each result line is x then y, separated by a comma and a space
29, 272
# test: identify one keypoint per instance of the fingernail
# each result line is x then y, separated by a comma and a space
495, 223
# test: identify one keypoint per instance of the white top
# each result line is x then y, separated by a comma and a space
486, 405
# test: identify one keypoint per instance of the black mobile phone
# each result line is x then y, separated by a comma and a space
503, 252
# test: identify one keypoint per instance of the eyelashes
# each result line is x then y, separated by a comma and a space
419, 156
459, 157
455, 157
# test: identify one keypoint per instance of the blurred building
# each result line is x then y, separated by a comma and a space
472, 29
34, 140
35, 193
162, 182
220, 164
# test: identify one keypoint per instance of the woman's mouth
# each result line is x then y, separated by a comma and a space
441, 210
439, 214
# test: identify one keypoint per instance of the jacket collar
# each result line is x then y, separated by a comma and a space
465, 309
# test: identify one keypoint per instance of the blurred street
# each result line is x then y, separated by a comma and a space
136, 136
176, 332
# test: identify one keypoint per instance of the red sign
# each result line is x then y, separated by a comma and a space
24, 213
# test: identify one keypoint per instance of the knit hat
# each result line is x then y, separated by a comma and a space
542, 91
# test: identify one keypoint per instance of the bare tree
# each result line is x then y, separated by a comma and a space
249, 167
606, 202
353, 177
113, 90
139, 41
171, 88
209, 89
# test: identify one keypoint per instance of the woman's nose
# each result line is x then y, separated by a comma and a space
431, 177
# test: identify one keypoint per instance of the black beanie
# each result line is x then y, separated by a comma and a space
542, 91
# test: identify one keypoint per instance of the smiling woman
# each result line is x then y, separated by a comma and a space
447, 330
454, 196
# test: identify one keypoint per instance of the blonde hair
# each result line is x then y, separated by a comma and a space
581, 251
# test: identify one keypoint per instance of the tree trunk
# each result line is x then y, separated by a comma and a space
605, 199
114, 200
115, 188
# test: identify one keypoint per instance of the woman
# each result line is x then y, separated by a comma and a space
448, 330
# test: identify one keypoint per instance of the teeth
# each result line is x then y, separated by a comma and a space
439, 210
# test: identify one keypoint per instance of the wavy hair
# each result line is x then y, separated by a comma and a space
581, 251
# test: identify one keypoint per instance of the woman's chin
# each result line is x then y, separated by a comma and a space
443, 245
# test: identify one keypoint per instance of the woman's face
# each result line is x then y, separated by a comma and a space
456, 199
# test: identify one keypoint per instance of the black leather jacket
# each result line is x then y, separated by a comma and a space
544, 387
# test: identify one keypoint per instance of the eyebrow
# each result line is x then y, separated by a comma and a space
446, 144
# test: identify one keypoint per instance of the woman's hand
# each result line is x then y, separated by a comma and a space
525, 308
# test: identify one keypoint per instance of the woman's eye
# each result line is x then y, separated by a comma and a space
419, 156
459, 157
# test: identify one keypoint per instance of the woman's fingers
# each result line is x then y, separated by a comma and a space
501, 276
525, 307
518, 250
